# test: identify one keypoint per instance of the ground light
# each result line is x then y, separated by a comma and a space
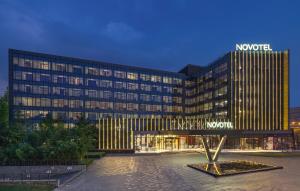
225, 168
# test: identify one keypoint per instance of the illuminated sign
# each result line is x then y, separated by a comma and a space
219, 125
253, 47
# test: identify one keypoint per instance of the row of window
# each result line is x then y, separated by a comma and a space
70, 115
62, 103
59, 79
200, 98
199, 108
45, 65
45, 90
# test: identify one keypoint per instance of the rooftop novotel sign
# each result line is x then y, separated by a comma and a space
253, 47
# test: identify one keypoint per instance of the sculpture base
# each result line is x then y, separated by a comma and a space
227, 168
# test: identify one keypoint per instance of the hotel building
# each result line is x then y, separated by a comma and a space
146, 109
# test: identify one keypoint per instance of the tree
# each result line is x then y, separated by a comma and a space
84, 136
3, 118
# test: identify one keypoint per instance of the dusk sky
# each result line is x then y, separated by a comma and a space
154, 34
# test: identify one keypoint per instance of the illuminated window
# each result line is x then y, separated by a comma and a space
132, 107
120, 85
167, 80
132, 96
91, 71
59, 91
155, 78
132, 76
120, 74
120, 95
145, 87
91, 93
105, 72
145, 77
105, 83
132, 86
59, 67
145, 97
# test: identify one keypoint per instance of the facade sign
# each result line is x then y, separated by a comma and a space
219, 125
253, 47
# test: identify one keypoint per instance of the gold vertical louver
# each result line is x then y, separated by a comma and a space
285, 90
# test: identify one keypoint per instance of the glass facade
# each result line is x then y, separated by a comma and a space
249, 88
45, 84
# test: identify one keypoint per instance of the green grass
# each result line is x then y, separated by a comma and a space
273, 154
25, 187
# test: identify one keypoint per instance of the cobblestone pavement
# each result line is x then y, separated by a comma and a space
169, 172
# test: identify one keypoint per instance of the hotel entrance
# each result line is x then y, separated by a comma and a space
165, 143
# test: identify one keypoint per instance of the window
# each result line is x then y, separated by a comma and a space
15, 61
105, 72
59, 103
120, 106
75, 69
120, 74
18, 75
120, 85
28, 63
44, 90
177, 90
91, 71
145, 87
221, 91
59, 67
45, 78
28, 76
105, 83
132, 86
132, 96
156, 88
167, 80
106, 95
145, 97
75, 103
75, 92
39, 64
120, 95
92, 82
177, 81
91, 93
167, 89
28, 88
59, 79
132, 76
155, 78
132, 107
156, 98
177, 100
145, 77
167, 99
59, 91
76, 80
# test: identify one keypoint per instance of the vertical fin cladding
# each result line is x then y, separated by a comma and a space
285, 90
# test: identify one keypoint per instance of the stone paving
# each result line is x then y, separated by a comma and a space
169, 172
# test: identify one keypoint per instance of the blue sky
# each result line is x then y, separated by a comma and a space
155, 34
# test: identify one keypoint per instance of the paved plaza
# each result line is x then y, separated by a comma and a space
169, 172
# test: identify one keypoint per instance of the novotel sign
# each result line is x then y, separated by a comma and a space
219, 125
253, 47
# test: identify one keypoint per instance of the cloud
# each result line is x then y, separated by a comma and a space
21, 23
121, 32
